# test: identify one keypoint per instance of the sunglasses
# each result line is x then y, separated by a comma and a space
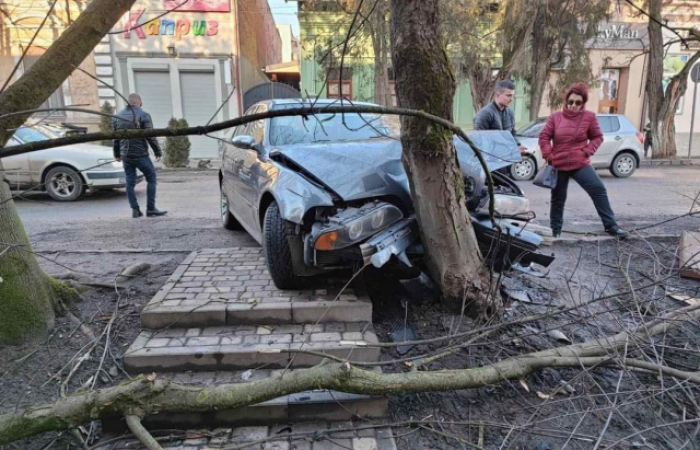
575, 102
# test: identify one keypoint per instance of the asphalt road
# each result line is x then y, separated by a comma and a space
103, 220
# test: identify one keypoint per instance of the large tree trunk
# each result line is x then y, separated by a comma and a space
424, 81
380, 38
28, 297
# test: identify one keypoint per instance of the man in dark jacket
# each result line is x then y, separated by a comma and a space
497, 115
134, 154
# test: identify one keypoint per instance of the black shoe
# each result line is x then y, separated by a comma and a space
618, 233
556, 234
136, 213
155, 213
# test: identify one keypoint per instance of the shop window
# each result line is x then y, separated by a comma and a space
334, 86
608, 91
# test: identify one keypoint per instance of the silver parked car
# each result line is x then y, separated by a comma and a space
621, 152
329, 191
65, 173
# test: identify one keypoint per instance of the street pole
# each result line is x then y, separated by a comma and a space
695, 78
692, 118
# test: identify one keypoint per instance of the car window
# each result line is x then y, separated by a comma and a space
257, 129
604, 123
29, 135
532, 129
331, 127
12, 142
247, 129
614, 123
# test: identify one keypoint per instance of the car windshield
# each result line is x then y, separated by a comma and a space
532, 129
27, 135
331, 127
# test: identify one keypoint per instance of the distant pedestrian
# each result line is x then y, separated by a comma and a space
647, 139
498, 115
568, 140
134, 154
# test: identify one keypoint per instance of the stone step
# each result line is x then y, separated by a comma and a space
250, 347
232, 286
307, 406
307, 436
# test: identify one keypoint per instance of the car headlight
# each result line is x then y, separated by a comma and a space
507, 206
346, 231
106, 163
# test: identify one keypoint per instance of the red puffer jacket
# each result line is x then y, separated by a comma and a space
569, 139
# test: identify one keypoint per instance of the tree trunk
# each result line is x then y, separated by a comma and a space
540, 64
424, 81
26, 306
28, 297
380, 36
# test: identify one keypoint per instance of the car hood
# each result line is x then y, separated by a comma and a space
368, 168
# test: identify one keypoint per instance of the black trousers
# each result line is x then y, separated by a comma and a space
588, 179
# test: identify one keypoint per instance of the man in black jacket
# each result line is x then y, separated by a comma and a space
497, 115
134, 154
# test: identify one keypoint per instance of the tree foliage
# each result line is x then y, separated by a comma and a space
177, 148
106, 122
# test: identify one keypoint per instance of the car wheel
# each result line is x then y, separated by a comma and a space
278, 252
227, 219
524, 170
623, 165
64, 184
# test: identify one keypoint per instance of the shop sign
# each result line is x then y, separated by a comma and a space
198, 5
168, 27
616, 32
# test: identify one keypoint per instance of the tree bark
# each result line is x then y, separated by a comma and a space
663, 104
424, 81
28, 297
141, 397
379, 34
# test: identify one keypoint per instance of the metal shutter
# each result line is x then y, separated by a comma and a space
199, 105
154, 89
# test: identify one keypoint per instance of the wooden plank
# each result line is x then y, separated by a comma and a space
689, 255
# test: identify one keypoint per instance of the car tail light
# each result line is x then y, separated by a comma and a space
640, 136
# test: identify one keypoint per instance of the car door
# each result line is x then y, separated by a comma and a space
603, 157
17, 168
232, 163
250, 168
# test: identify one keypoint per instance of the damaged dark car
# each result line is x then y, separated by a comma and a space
328, 191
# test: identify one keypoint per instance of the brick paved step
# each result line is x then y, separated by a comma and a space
307, 406
232, 286
249, 347
344, 437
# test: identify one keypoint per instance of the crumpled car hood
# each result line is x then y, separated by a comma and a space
368, 168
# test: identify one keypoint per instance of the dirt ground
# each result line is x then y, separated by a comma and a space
572, 404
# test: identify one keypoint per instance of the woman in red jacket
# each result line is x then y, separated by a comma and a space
568, 140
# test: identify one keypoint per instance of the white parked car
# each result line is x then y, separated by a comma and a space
65, 173
621, 152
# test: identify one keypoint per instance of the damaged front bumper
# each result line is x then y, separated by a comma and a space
511, 248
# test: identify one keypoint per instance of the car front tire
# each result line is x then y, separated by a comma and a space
524, 170
624, 165
64, 184
278, 251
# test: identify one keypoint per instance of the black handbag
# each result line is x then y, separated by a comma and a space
547, 177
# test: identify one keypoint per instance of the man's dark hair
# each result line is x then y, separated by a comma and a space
504, 85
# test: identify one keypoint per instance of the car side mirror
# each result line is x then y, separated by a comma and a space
244, 142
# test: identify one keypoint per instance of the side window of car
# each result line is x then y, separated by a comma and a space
614, 124
247, 129
12, 142
604, 124
258, 128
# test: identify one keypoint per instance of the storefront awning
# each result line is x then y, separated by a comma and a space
291, 67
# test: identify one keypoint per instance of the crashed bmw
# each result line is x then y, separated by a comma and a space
329, 191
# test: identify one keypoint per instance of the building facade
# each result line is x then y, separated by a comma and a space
193, 61
19, 23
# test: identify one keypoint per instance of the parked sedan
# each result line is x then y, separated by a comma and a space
65, 173
329, 191
621, 152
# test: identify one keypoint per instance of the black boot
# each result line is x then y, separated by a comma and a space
136, 213
618, 233
155, 213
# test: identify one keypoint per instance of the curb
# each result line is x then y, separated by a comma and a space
670, 162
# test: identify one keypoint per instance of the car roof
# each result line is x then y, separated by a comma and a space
308, 102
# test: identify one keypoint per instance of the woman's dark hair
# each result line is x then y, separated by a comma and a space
578, 89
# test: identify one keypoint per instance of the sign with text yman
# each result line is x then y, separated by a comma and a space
168, 27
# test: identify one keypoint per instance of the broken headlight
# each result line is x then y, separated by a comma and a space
353, 225
506, 206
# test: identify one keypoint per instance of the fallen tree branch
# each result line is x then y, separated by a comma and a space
142, 434
143, 396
